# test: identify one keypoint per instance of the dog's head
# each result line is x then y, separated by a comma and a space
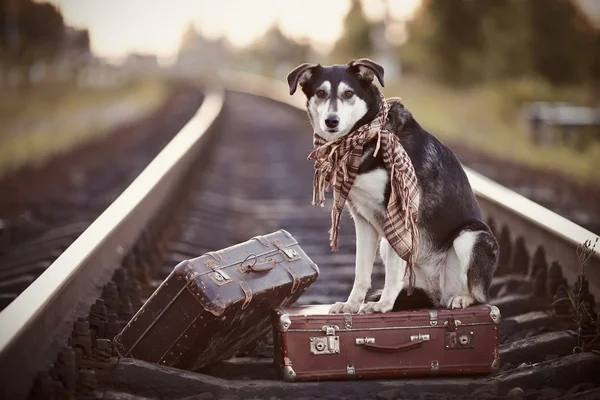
339, 97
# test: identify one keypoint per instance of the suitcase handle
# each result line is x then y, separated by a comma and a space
268, 264
392, 348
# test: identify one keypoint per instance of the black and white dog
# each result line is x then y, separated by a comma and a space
457, 254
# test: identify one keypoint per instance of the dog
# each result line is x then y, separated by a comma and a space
457, 252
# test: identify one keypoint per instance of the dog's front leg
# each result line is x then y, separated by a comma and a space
394, 271
366, 247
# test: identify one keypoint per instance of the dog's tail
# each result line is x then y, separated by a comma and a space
419, 299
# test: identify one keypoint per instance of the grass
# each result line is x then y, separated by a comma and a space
575, 300
487, 119
43, 121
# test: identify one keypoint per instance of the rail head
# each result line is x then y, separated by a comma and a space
85, 266
538, 225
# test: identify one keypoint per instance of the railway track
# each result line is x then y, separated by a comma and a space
239, 169
46, 214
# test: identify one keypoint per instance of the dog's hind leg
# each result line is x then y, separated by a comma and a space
394, 273
366, 247
476, 252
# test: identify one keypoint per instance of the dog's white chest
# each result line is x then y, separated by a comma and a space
368, 192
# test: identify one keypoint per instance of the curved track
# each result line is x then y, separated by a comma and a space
248, 175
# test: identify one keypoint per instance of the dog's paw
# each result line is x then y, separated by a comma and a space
344, 307
460, 302
375, 307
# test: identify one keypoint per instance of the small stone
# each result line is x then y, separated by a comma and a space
514, 392
523, 365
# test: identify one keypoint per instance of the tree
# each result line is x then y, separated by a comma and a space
356, 37
29, 31
467, 41
557, 43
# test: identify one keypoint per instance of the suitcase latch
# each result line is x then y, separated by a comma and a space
219, 276
452, 324
329, 344
459, 340
290, 254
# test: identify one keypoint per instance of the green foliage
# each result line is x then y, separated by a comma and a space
466, 41
355, 41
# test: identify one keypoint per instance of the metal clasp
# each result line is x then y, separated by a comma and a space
328, 344
290, 254
219, 276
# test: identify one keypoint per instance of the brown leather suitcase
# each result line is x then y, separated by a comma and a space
211, 307
312, 345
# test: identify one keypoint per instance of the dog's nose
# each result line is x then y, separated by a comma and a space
332, 121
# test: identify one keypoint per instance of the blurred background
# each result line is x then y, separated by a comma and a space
513, 86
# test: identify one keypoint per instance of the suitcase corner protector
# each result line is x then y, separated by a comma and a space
284, 322
495, 365
495, 314
289, 375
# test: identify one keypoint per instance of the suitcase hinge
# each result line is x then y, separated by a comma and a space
347, 320
433, 317
328, 344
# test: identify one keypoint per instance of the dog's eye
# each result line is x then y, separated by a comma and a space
348, 94
320, 93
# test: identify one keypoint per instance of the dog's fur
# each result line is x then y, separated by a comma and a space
457, 253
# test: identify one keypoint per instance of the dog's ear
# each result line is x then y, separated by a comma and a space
300, 75
368, 69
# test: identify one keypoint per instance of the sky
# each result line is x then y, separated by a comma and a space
118, 27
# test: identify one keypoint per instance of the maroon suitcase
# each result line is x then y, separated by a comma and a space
211, 307
310, 344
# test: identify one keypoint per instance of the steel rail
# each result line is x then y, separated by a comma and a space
538, 225
29, 324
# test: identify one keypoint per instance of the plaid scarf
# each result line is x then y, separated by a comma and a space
337, 163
